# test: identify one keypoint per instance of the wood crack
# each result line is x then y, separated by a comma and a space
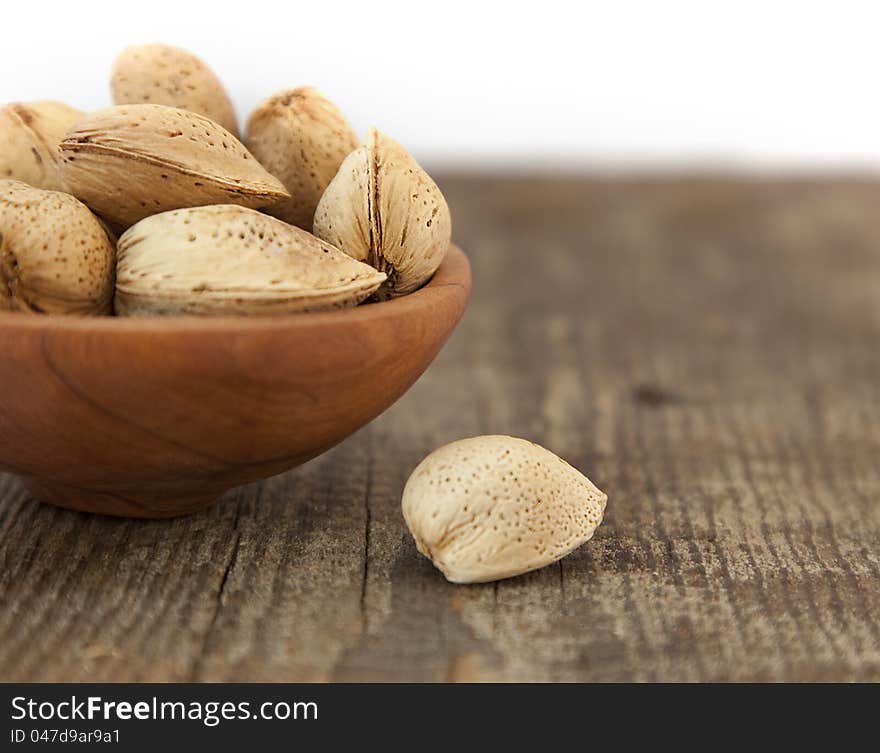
368, 517
220, 595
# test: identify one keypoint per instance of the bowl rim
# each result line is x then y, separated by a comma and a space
453, 272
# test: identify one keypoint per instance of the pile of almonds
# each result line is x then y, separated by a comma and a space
300, 216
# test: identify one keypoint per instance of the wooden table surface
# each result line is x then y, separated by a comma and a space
706, 350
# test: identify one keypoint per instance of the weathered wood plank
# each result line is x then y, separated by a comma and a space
705, 349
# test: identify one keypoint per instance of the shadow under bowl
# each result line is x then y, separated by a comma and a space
158, 417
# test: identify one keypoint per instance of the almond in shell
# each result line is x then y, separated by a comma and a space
384, 209
227, 259
164, 75
29, 136
302, 138
131, 161
55, 257
492, 507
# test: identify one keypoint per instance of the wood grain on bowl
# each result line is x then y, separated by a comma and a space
158, 417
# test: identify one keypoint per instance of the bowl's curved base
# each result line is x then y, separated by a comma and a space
146, 503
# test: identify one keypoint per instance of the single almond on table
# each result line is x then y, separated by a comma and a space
160, 74
55, 257
131, 161
384, 209
492, 507
302, 138
29, 136
227, 259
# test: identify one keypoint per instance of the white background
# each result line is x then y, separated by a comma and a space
539, 84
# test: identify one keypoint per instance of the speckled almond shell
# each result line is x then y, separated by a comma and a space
29, 136
55, 257
383, 208
131, 161
302, 138
230, 260
492, 507
163, 75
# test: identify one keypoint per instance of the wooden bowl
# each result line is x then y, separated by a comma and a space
158, 417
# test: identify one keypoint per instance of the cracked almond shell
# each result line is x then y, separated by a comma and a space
300, 137
231, 260
131, 161
160, 74
29, 136
493, 507
55, 257
384, 209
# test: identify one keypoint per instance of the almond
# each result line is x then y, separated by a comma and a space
163, 75
131, 161
492, 507
302, 138
384, 209
55, 257
29, 136
232, 260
